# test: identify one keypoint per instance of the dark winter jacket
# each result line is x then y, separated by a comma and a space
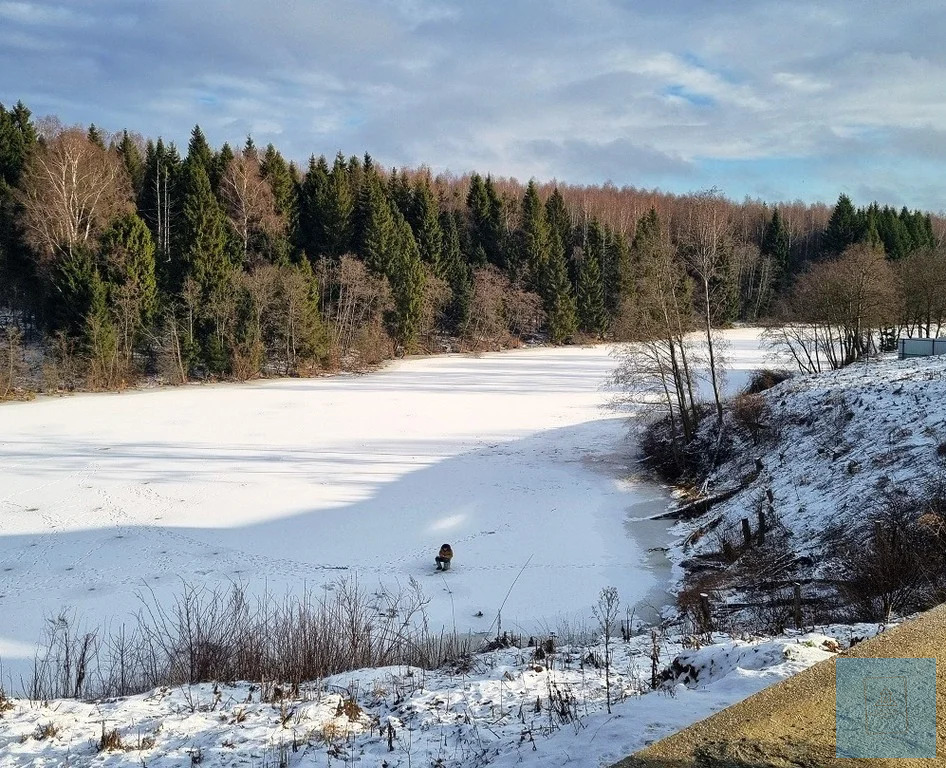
445, 552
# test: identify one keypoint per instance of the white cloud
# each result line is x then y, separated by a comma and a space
642, 94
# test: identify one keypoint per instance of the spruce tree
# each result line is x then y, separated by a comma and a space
559, 301
276, 172
203, 232
495, 232
616, 278
19, 286
456, 273
159, 204
399, 193
591, 314
376, 240
425, 222
534, 241
218, 168
407, 277
127, 257
336, 209
133, 161
478, 208
95, 136
312, 195
843, 228
556, 214
199, 152
775, 245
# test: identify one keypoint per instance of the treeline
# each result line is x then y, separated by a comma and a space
125, 258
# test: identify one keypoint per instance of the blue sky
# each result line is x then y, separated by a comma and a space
776, 100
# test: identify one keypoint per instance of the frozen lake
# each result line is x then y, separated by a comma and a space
292, 483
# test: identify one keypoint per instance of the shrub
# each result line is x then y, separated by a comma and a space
765, 379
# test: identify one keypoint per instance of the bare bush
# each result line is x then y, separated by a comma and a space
12, 365
764, 379
885, 563
749, 413
221, 635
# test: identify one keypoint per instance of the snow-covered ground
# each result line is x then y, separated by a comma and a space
510, 457
837, 443
513, 458
507, 708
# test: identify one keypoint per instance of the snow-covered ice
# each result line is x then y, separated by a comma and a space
507, 456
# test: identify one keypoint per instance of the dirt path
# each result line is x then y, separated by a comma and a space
791, 724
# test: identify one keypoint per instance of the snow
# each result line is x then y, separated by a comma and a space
512, 457
277, 484
495, 711
840, 441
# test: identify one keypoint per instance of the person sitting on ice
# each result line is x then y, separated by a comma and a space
443, 558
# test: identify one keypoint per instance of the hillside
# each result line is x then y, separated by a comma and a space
830, 460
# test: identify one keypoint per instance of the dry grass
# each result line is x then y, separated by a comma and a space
110, 741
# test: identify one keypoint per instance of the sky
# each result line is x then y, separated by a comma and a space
770, 100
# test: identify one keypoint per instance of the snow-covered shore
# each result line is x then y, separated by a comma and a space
504, 708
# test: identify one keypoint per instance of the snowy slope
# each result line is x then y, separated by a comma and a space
839, 441
495, 711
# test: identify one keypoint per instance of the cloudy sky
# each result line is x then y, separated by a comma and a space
775, 100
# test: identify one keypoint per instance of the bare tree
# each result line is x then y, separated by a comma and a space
922, 282
706, 242
71, 189
606, 612
658, 367
833, 314
249, 203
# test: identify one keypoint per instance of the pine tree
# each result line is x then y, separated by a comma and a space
591, 315
843, 228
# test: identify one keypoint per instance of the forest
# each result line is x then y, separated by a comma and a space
122, 258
